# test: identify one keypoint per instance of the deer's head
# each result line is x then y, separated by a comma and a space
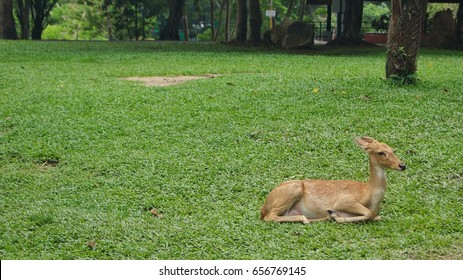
380, 153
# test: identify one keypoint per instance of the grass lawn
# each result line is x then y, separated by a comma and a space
85, 155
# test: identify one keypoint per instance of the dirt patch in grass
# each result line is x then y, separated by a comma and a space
167, 81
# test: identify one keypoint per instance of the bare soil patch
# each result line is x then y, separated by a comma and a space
167, 81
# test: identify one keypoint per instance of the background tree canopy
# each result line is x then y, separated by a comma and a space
195, 19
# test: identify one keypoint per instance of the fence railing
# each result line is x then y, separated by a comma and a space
322, 34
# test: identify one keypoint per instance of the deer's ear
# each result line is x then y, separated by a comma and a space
364, 142
368, 139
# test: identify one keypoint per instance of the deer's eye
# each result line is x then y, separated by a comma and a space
381, 154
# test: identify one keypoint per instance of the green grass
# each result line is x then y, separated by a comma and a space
84, 155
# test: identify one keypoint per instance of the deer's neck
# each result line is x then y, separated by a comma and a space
377, 177
377, 186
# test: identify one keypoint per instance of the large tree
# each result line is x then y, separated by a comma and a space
170, 30
353, 20
241, 20
23, 12
7, 24
40, 12
404, 36
459, 29
255, 20
134, 18
350, 31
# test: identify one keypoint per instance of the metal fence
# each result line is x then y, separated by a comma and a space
322, 34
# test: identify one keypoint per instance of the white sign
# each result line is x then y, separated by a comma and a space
270, 13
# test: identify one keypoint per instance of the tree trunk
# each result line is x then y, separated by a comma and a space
37, 29
289, 10
136, 31
301, 10
255, 20
353, 20
404, 36
109, 25
1, 19
212, 21
7, 24
23, 14
242, 21
170, 31
459, 29
40, 11
186, 30
227, 21
217, 31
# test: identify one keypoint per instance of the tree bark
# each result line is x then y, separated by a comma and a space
212, 21
170, 31
459, 29
109, 25
255, 20
301, 10
1, 19
227, 21
353, 20
186, 30
7, 24
40, 11
242, 22
23, 14
404, 36
289, 10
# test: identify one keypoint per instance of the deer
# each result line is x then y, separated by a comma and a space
343, 201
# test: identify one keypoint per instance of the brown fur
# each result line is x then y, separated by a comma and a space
342, 200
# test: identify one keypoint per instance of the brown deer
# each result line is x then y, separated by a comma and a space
342, 200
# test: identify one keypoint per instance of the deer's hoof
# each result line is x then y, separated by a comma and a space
377, 218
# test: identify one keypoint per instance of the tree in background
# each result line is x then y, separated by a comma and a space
353, 20
255, 20
404, 36
224, 15
170, 30
23, 12
459, 29
373, 10
7, 24
76, 20
103, 19
241, 20
40, 13
134, 18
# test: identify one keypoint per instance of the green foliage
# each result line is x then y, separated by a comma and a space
376, 14
381, 24
85, 155
88, 20
135, 19
403, 75
404, 79
76, 20
373, 11
433, 8
205, 36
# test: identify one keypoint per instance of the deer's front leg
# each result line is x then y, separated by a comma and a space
359, 212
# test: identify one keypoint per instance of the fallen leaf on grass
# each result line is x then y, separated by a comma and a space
91, 244
365, 97
155, 213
